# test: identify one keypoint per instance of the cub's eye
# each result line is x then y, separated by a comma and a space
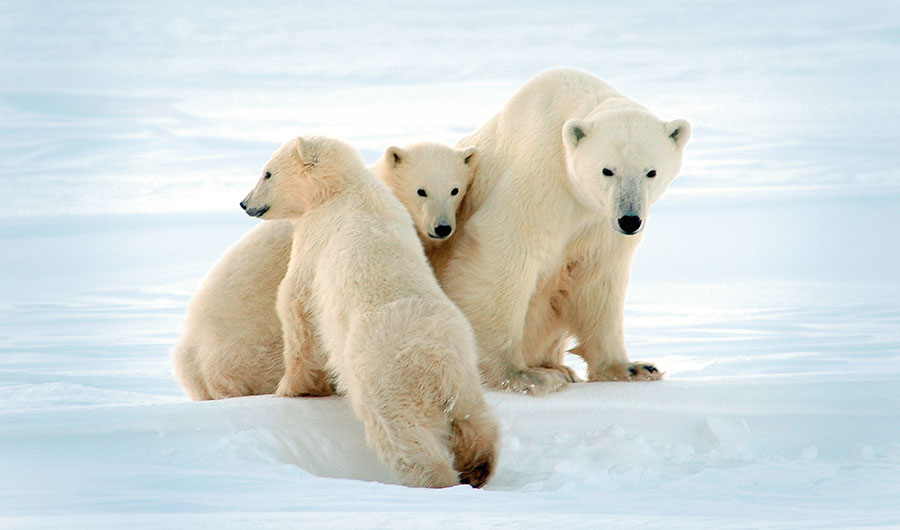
267, 176
422, 193
454, 191
608, 172
651, 173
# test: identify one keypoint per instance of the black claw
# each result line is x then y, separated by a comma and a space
477, 476
650, 368
632, 370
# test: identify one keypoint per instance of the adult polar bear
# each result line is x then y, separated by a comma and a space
232, 342
568, 171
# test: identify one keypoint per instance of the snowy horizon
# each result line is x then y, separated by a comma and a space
173, 107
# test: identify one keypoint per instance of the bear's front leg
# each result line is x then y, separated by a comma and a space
502, 372
305, 372
619, 371
597, 318
494, 295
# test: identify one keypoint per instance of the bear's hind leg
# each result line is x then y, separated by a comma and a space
418, 453
188, 373
474, 443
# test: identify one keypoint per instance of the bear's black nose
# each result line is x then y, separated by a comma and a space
443, 230
630, 223
243, 206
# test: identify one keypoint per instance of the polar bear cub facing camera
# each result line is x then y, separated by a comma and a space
231, 344
359, 303
432, 200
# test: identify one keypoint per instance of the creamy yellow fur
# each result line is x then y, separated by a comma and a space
543, 255
360, 303
231, 343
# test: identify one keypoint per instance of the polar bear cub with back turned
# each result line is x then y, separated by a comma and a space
359, 302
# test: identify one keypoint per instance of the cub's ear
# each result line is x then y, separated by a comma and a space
679, 131
298, 148
307, 151
574, 131
395, 156
470, 157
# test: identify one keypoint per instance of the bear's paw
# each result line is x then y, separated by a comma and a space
535, 381
316, 384
638, 371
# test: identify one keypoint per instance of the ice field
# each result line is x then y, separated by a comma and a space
767, 285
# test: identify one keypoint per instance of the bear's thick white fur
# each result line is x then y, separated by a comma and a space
360, 307
568, 170
231, 344
431, 180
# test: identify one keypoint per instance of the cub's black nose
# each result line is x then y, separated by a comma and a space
630, 223
243, 206
443, 230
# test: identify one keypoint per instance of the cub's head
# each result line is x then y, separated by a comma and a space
620, 161
431, 180
301, 173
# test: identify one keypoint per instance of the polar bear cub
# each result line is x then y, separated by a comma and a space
231, 341
359, 304
232, 345
431, 180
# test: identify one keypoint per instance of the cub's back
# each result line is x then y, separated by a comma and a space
367, 250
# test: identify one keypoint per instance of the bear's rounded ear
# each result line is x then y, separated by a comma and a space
679, 131
470, 157
298, 148
574, 131
395, 155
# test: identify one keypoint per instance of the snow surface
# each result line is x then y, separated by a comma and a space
767, 285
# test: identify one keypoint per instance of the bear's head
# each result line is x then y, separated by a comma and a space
301, 173
620, 162
431, 180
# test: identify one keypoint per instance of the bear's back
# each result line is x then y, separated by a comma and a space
367, 249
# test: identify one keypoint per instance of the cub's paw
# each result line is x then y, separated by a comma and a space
476, 475
534, 381
316, 385
285, 388
627, 372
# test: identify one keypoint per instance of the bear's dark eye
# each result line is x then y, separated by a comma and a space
267, 175
608, 172
454, 191
422, 193
651, 173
